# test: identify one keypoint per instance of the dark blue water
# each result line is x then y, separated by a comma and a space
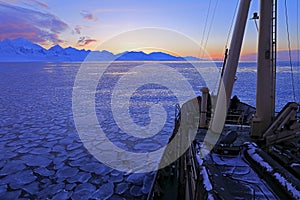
245, 86
39, 140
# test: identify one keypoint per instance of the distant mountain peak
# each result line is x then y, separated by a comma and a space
56, 48
22, 43
21, 49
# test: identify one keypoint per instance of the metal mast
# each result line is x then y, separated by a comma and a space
228, 76
274, 53
266, 62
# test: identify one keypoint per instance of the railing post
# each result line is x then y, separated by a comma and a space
203, 114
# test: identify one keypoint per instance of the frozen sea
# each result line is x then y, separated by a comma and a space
42, 155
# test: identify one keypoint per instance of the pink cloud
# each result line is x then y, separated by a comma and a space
88, 16
33, 25
78, 29
20, 29
83, 41
32, 3
42, 4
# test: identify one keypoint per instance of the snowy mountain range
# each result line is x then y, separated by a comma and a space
21, 50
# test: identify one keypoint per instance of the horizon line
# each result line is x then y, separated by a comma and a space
243, 57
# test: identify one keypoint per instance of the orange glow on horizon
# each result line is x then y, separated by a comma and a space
216, 55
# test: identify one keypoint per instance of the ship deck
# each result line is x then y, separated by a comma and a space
243, 170
236, 168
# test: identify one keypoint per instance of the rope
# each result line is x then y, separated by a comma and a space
298, 55
289, 47
221, 70
256, 25
210, 26
205, 24
231, 25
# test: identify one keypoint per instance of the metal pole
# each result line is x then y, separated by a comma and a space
264, 87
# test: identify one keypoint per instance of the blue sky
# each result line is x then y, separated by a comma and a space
86, 24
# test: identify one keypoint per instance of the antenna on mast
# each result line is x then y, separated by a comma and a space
255, 17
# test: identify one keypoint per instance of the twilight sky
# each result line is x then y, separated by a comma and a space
88, 23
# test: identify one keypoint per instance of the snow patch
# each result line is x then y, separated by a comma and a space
295, 165
257, 158
287, 185
206, 181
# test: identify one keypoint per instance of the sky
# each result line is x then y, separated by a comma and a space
88, 24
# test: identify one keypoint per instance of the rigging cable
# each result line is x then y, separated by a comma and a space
226, 45
227, 40
289, 49
231, 25
210, 26
205, 24
256, 25
298, 55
